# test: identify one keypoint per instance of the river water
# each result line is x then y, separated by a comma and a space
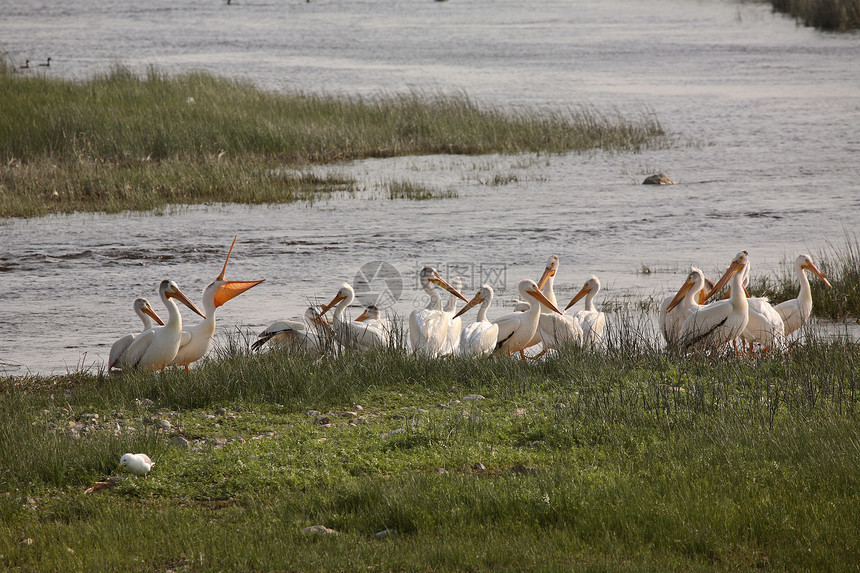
764, 116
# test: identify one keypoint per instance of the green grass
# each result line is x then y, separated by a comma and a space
628, 460
119, 139
836, 15
403, 189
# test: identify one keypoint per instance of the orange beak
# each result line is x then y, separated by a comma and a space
337, 298
543, 300
478, 299
231, 289
682, 292
818, 273
151, 313
436, 279
363, 316
180, 296
582, 292
735, 268
548, 272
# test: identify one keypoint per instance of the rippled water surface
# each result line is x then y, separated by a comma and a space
764, 115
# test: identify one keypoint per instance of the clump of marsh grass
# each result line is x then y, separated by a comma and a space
122, 139
837, 15
409, 190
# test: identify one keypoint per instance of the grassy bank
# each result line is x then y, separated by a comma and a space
838, 15
631, 460
145, 141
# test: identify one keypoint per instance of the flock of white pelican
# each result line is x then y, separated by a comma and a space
688, 323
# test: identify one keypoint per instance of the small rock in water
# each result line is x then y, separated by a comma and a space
658, 179
319, 529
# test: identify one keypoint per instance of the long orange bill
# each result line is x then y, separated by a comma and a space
733, 269
337, 298
436, 279
544, 300
148, 310
232, 289
180, 296
478, 299
682, 292
363, 316
818, 273
548, 272
582, 292
224, 269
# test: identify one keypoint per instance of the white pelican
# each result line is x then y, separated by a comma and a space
352, 334
591, 320
144, 311
455, 323
197, 339
313, 335
554, 330
157, 347
711, 326
764, 326
517, 329
428, 326
138, 464
479, 338
691, 294
372, 315
795, 312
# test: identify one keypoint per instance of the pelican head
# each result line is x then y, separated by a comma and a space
530, 288
141, 305
371, 312
429, 275
549, 271
344, 293
169, 289
591, 285
484, 293
223, 289
695, 277
806, 263
739, 263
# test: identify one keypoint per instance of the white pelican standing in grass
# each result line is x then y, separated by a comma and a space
147, 315
554, 330
428, 326
712, 326
455, 323
689, 297
197, 339
517, 329
157, 347
313, 335
764, 326
352, 334
795, 312
479, 338
591, 320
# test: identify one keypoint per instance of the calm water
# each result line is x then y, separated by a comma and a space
764, 115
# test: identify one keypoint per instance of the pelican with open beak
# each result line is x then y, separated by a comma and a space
197, 339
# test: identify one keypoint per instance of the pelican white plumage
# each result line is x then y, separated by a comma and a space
352, 334
157, 347
591, 320
691, 294
711, 326
142, 309
517, 329
480, 337
197, 339
765, 325
455, 323
555, 330
313, 335
428, 326
795, 312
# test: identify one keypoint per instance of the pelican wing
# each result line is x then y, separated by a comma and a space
118, 348
137, 349
479, 338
